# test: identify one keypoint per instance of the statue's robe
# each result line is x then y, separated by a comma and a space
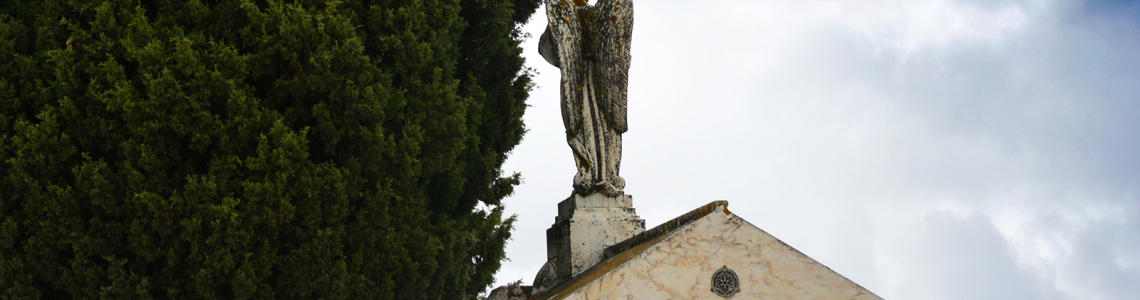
590, 44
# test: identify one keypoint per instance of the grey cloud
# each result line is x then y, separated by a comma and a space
853, 151
964, 258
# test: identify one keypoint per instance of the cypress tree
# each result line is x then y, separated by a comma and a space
257, 149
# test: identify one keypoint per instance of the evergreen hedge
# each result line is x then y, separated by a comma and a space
257, 149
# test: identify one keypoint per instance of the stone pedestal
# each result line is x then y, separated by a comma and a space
583, 229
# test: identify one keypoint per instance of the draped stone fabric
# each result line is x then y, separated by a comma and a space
590, 44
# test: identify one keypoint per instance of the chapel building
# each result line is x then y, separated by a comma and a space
708, 253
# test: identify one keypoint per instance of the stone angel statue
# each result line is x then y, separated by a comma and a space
590, 45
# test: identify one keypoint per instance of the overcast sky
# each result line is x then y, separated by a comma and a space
925, 149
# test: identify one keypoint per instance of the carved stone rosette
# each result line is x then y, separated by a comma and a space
590, 44
725, 283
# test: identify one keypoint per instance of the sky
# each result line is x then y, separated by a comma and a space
925, 149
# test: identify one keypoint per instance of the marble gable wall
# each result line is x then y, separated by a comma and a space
681, 266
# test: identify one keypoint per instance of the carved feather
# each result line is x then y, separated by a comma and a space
611, 29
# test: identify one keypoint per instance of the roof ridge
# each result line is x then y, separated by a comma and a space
617, 254
664, 228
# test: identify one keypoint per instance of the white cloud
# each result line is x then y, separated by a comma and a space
879, 138
943, 254
907, 26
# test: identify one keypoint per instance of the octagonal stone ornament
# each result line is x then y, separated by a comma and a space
725, 283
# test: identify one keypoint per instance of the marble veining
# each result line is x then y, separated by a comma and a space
682, 264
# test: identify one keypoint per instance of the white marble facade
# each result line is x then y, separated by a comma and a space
680, 265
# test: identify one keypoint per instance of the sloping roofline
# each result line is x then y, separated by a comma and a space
619, 253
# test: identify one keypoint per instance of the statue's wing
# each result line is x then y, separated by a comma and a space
563, 37
548, 48
611, 27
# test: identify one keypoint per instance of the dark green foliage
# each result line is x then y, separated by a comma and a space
256, 149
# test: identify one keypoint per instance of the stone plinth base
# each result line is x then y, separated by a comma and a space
583, 229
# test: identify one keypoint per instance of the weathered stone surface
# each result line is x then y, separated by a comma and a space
591, 45
679, 262
547, 276
510, 292
584, 227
